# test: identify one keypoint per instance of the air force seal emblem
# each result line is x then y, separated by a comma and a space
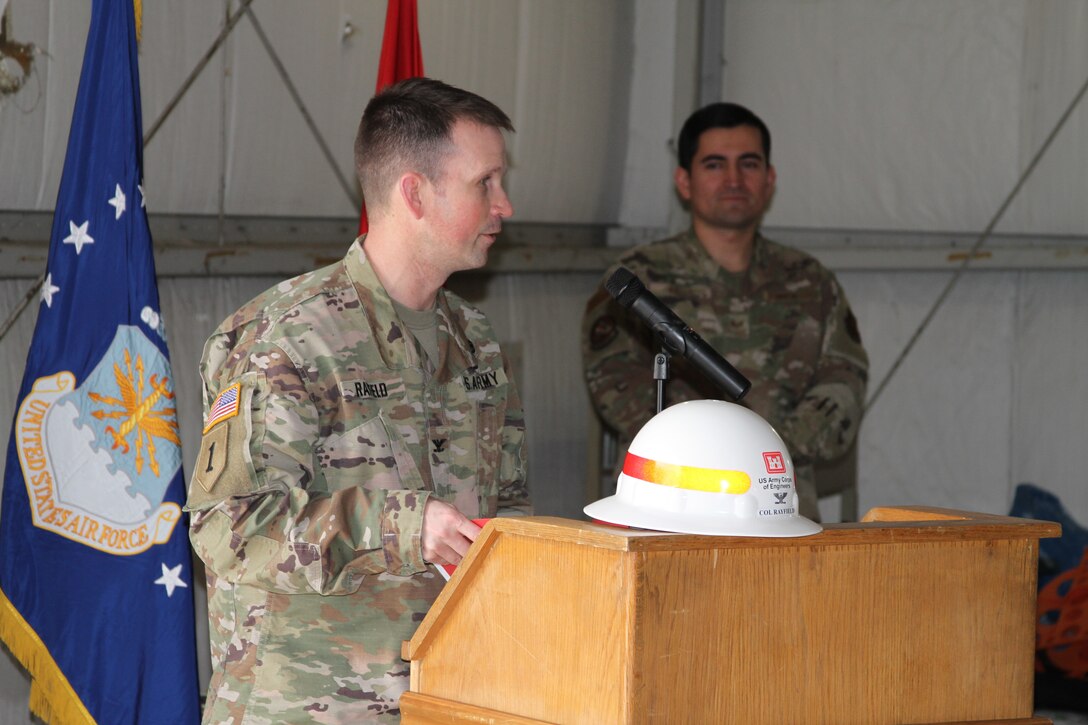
98, 459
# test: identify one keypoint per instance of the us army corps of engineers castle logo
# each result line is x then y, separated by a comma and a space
98, 459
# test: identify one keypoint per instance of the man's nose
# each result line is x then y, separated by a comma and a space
732, 175
502, 207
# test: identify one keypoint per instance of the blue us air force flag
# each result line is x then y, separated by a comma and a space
94, 561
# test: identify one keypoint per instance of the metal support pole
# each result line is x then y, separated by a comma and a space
711, 51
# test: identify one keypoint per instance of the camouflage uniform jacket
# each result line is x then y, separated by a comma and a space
784, 323
326, 431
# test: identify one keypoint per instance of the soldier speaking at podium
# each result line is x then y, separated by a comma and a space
356, 418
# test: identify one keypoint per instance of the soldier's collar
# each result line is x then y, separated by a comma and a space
386, 326
759, 270
461, 355
757, 266
708, 267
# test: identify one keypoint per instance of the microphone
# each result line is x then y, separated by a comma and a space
675, 335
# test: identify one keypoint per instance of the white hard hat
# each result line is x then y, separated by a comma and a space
707, 467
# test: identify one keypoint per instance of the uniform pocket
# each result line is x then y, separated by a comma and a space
364, 456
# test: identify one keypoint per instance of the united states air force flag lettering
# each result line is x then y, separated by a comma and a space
95, 579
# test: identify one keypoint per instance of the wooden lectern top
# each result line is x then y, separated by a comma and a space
914, 615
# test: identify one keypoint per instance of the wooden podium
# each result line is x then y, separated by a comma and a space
914, 615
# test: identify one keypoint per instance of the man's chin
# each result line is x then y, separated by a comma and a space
477, 260
736, 222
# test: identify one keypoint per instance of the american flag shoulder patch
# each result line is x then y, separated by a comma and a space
224, 407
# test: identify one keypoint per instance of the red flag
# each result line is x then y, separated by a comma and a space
402, 56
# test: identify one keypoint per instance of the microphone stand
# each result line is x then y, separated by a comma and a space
661, 375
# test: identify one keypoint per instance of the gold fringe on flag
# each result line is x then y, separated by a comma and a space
138, 5
51, 695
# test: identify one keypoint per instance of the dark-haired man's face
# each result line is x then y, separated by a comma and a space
730, 184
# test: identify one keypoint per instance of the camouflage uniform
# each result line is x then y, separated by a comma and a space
784, 323
308, 494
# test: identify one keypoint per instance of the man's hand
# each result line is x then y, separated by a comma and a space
447, 533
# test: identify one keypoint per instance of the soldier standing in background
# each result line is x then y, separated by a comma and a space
356, 418
773, 312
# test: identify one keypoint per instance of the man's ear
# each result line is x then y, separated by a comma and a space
682, 179
410, 187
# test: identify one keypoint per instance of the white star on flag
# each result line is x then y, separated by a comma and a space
143, 197
48, 288
118, 202
78, 236
171, 579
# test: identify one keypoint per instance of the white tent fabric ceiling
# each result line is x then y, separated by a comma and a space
888, 117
